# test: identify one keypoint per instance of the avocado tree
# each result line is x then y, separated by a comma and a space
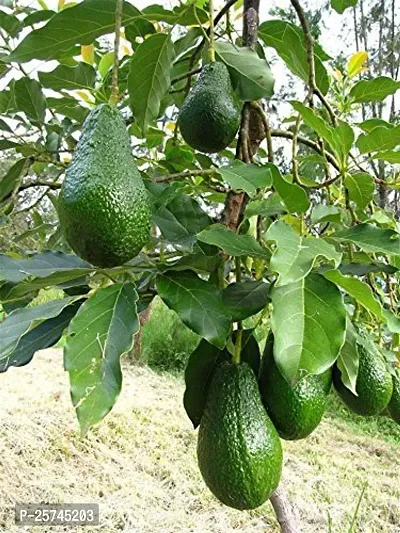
237, 242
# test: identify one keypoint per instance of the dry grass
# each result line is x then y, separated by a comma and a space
140, 465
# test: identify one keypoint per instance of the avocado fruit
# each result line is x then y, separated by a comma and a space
103, 205
394, 404
294, 410
374, 384
239, 450
210, 115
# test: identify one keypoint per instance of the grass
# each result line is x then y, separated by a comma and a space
166, 342
140, 463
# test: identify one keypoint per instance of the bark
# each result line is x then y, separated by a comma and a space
289, 523
137, 347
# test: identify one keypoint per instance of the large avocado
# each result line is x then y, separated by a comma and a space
239, 451
374, 384
295, 411
394, 404
103, 205
209, 117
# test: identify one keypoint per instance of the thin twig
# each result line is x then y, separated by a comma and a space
114, 84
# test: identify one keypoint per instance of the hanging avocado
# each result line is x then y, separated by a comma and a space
209, 117
103, 205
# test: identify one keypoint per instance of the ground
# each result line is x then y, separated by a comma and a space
140, 463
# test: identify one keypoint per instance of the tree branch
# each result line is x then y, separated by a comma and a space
288, 522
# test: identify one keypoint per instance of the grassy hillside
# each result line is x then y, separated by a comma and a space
140, 464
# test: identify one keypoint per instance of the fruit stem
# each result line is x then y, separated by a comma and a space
238, 346
114, 83
211, 49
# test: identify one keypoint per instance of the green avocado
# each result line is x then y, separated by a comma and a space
295, 411
394, 404
210, 116
239, 451
374, 384
103, 206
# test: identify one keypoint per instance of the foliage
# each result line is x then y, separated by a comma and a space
310, 244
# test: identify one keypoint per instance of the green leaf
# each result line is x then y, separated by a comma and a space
38, 16
371, 239
371, 123
10, 23
288, 41
378, 139
21, 321
266, 207
98, 335
359, 290
199, 370
232, 243
374, 90
296, 255
341, 5
361, 188
390, 156
30, 99
198, 303
149, 77
68, 107
325, 213
46, 334
348, 360
106, 62
80, 24
18, 291
309, 323
293, 196
251, 75
184, 15
82, 76
180, 218
12, 179
340, 138
244, 177
245, 298
40, 266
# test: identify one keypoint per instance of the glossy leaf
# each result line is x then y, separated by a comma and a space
390, 156
309, 323
378, 139
246, 298
80, 24
149, 77
341, 5
232, 243
199, 370
40, 265
295, 255
12, 179
348, 360
198, 303
30, 99
288, 41
293, 196
98, 335
374, 90
21, 321
80, 77
371, 238
325, 213
44, 335
361, 188
251, 75
244, 177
